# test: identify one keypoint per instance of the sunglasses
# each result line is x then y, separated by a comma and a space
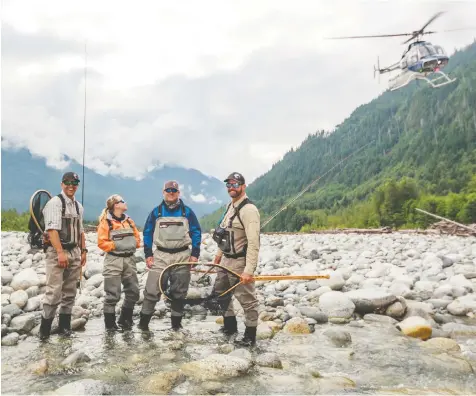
71, 183
171, 190
234, 185
121, 201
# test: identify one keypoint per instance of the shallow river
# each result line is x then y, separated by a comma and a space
378, 360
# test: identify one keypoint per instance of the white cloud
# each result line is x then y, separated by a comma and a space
218, 86
198, 198
214, 200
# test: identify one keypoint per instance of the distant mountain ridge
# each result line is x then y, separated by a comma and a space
23, 174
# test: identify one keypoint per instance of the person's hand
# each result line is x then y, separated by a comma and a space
247, 278
62, 259
83, 259
217, 260
149, 261
193, 259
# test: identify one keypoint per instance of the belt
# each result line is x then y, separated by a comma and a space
121, 254
235, 256
171, 251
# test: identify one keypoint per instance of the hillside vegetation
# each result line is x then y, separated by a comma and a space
422, 153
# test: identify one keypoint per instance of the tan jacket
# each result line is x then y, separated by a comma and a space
250, 217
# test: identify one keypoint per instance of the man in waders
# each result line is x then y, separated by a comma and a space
171, 227
65, 254
238, 239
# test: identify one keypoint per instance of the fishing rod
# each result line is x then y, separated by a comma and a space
84, 119
80, 281
285, 206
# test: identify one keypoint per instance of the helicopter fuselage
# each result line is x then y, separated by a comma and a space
423, 57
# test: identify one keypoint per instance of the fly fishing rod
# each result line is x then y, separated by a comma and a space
84, 149
84, 119
284, 207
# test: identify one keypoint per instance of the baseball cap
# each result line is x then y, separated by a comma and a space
171, 184
236, 176
70, 176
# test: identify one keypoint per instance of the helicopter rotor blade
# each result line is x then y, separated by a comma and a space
416, 35
421, 32
440, 31
438, 14
371, 36
455, 30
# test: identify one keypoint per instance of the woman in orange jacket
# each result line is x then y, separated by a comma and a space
119, 238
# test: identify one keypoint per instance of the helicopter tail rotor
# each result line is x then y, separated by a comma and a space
377, 69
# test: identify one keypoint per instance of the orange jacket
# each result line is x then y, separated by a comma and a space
104, 242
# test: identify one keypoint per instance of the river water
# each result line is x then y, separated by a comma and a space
378, 360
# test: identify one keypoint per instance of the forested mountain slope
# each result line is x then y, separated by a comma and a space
422, 152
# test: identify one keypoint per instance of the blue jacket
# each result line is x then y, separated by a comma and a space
195, 230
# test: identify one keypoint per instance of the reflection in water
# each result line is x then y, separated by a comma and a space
378, 360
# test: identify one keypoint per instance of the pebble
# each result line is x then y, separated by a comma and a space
420, 283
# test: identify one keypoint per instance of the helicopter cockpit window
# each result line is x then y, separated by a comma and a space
439, 50
426, 50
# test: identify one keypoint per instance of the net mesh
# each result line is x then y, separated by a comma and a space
201, 288
36, 224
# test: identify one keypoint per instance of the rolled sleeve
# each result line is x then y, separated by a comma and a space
52, 214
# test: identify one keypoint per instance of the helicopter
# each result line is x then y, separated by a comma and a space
422, 60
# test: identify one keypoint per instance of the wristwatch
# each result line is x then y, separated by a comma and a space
84, 250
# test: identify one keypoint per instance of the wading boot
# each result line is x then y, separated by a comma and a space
110, 321
249, 338
125, 320
176, 322
45, 328
64, 325
230, 326
144, 322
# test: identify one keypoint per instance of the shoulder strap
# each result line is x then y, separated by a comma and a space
109, 222
63, 205
183, 209
224, 214
237, 210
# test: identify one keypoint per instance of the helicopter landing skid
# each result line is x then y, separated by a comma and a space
442, 76
401, 80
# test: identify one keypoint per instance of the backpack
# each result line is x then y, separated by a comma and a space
36, 224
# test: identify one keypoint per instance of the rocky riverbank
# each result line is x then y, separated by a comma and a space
398, 311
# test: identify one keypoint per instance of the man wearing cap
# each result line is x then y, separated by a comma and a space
65, 254
171, 228
238, 239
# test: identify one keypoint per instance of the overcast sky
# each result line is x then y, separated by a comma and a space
211, 85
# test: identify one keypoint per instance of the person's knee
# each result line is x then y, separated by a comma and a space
151, 296
133, 294
249, 303
111, 298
